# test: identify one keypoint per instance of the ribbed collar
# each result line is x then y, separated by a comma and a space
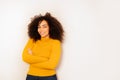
45, 39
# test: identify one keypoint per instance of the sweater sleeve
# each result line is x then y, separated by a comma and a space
54, 57
31, 58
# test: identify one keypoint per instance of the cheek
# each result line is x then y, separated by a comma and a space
48, 30
38, 30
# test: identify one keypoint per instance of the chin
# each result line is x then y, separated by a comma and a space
42, 36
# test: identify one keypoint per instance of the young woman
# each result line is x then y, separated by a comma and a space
43, 48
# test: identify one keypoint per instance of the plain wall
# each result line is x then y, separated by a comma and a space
91, 49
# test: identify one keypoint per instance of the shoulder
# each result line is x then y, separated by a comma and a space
30, 40
55, 41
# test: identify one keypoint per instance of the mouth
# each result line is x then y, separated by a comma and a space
42, 33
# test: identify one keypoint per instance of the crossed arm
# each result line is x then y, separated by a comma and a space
42, 62
27, 54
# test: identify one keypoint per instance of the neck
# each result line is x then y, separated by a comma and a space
45, 38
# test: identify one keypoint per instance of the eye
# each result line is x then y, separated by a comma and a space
44, 26
39, 27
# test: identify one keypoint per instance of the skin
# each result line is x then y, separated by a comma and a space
43, 30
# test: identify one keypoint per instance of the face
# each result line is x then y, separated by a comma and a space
43, 29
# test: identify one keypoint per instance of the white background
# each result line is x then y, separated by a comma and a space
91, 50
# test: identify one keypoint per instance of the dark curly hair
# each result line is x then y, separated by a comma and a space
55, 28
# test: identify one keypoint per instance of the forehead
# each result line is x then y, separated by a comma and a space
43, 22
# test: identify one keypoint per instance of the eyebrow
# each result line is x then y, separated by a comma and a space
42, 25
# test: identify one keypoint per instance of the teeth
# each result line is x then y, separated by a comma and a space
42, 33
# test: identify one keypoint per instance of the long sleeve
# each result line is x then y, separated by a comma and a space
54, 57
31, 58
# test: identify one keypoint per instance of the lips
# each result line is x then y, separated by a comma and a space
42, 33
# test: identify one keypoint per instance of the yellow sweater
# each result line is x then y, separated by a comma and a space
44, 58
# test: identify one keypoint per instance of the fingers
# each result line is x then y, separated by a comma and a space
29, 51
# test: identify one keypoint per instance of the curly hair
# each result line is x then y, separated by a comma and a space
55, 28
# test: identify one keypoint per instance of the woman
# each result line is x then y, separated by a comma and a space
43, 48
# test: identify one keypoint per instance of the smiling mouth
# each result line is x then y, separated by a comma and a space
42, 33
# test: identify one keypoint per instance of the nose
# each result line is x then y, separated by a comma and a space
40, 28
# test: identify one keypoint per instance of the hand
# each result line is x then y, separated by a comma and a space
29, 51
